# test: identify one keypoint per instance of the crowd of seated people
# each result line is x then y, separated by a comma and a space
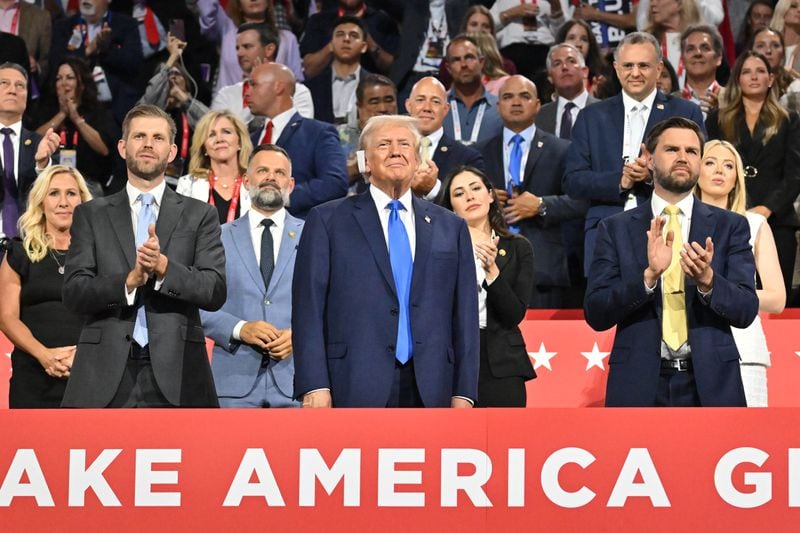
546, 104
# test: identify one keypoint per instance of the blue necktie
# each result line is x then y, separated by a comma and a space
514, 164
402, 267
146, 217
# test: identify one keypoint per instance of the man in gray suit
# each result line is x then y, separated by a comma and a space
141, 264
567, 71
252, 360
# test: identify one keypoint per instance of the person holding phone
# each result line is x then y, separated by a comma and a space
504, 267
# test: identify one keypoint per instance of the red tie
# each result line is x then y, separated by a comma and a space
72, 6
150, 27
267, 138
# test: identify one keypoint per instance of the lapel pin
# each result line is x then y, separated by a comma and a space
502, 252
660, 106
291, 234
539, 144
428, 219
444, 148
27, 142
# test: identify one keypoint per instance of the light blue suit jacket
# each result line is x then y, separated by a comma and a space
235, 365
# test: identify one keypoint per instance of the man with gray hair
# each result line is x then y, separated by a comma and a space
567, 71
604, 164
389, 314
252, 360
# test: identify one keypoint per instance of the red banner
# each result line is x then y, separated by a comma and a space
405, 470
571, 359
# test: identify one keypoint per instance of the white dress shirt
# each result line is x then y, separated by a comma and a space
580, 103
136, 207
382, 200
231, 98
279, 123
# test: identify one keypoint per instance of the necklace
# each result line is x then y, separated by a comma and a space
60, 266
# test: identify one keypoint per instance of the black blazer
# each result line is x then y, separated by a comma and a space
506, 304
451, 154
321, 87
543, 172
777, 183
546, 117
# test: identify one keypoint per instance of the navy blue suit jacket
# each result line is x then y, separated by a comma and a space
451, 154
616, 296
344, 325
321, 87
319, 164
594, 160
544, 171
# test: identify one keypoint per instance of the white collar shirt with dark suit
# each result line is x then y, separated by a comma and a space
345, 332
24, 143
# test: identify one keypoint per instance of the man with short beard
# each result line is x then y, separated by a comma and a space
141, 265
252, 360
673, 275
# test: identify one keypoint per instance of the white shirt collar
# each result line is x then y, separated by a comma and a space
579, 101
157, 192
527, 134
382, 199
17, 127
628, 101
658, 204
278, 218
435, 137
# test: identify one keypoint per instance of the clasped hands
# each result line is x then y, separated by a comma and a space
634, 172
695, 260
149, 261
518, 207
266, 337
57, 362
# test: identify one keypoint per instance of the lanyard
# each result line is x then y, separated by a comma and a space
63, 135
185, 137
476, 127
237, 185
665, 55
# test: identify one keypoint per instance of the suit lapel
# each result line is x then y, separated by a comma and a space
658, 113
119, 214
243, 242
494, 162
169, 213
367, 219
289, 240
27, 172
442, 154
536, 149
504, 251
423, 227
637, 232
616, 118
702, 226
289, 130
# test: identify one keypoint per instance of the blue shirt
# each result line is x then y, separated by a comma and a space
491, 124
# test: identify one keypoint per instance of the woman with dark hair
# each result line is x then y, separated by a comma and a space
757, 17
88, 131
32, 314
768, 139
504, 265
668, 80
579, 34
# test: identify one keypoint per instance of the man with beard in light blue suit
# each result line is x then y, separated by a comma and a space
252, 358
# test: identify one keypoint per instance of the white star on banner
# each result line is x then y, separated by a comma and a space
595, 358
542, 357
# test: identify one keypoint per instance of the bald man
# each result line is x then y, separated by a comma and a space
428, 104
318, 160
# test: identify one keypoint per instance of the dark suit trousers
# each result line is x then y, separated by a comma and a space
786, 243
498, 392
138, 387
404, 387
677, 389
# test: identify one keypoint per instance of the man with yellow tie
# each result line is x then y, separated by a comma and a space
673, 275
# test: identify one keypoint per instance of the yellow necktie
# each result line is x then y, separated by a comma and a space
425, 152
673, 326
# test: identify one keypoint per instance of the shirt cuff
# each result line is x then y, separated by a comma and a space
157, 286
130, 297
465, 399
650, 290
237, 329
435, 191
705, 297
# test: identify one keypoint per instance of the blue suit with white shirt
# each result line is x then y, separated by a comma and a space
594, 160
236, 365
345, 331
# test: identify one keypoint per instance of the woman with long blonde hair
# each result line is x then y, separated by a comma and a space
32, 315
722, 184
219, 155
768, 139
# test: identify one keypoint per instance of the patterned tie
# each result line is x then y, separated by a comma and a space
402, 268
267, 252
146, 217
11, 193
565, 132
673, 327
267, 138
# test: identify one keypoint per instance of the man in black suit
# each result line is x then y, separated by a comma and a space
439, 153
141, 265
333, 90
23, 152
529, 163
567, 71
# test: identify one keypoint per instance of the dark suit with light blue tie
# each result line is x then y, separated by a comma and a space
594, 160
236, 365
345, 331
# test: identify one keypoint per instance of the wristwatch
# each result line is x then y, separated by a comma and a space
542, 207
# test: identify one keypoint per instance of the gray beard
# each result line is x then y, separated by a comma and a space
268, 198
